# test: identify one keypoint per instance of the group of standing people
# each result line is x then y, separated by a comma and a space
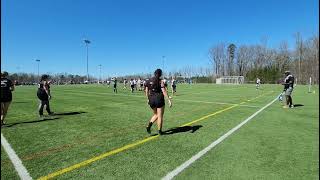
43, 94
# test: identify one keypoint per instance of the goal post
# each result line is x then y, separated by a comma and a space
230, 80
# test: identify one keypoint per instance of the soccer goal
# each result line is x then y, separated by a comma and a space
230, 80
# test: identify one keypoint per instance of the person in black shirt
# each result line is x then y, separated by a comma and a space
115, 85
6, 95
132, 85
155, 92
44, 95
288, 88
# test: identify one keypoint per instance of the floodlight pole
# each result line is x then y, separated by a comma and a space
100, 73
87, 42
38, 60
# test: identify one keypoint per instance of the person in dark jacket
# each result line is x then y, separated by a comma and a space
44, 95
288, 88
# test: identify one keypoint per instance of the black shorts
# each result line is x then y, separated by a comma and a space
7, 98
156, 100
132, 86
114, 86
174, 87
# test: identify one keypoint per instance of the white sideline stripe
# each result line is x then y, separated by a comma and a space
17, 163
139, 96
186, 164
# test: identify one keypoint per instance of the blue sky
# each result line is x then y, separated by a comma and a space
132, 36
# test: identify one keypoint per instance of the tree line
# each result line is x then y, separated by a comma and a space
250, 61
269, 64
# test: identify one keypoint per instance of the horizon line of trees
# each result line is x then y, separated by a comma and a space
250, 61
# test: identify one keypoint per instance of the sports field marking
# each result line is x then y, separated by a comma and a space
186, 164
17, 163
174, 99
126, 147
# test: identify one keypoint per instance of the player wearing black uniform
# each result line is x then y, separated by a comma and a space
288, 88
132, 85
173, 86
155, 91
6, 95
115, 85
44, 95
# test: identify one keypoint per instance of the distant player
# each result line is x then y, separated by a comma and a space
141, 85
125, 82
288, 88
115, 85
108, 83
6, 95
165, 83
144, 84
258, 83
155, 92
138, 84
135, 84
132, 85
44, 95
173, 86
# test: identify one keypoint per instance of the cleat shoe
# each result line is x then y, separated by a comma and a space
148, 129
160, 132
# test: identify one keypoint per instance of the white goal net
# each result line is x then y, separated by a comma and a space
230, 80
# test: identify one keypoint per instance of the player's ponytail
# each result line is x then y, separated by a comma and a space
157, 75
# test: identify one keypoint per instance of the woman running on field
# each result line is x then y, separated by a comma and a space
155, 91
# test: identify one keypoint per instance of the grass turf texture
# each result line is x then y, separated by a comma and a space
276, 144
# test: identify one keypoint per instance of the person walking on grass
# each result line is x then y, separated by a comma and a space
132, 85
44, 95
155, 92
6, 95
115, 90
173, 86
288, 88
125, 84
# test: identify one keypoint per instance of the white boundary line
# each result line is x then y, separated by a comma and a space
16, 161
186, 164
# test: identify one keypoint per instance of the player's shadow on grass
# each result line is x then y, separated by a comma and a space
28, 122
69, 113
298, 105
175, 130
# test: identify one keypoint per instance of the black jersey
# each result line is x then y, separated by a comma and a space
154, 86
6, 85
41, 93
289, 81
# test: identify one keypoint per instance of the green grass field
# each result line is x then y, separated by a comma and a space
91, 120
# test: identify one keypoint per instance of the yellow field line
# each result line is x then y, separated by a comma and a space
126, 147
